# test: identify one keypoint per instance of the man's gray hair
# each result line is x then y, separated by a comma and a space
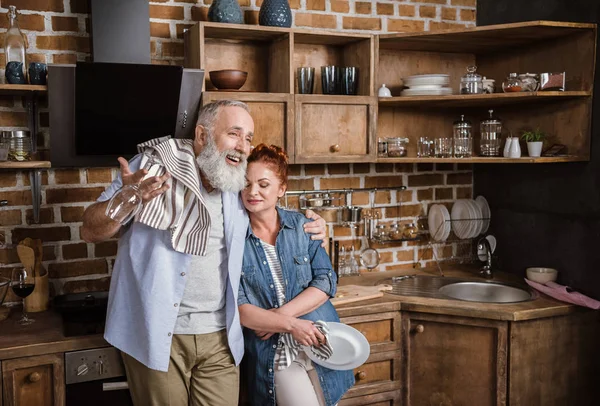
208, 113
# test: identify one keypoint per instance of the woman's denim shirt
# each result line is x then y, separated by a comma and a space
304, 263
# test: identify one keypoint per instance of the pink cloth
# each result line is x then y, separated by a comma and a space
565, 294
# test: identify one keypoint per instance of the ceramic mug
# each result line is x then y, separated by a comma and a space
15, 75
37, 73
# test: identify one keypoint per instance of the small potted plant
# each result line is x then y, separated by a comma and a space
534, 140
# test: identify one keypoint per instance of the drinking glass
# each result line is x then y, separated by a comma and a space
424, 147
330, 79
124, 204
349, 80
23, 283
443, 147
306, 80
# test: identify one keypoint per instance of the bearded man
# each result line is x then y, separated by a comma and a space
172, 307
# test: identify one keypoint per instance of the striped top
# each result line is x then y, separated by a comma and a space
181, 209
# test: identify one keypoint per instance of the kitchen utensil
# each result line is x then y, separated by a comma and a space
491, 136
228, 79
350, 348
38, 300
353, 262
336, 259
541, 275
306, 79
369, 257
355, 293
462, 131
26, 256
351, 214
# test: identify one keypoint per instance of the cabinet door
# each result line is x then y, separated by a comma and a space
335, 128
38, 381
454, 360
381, 329
378, 399
273, 116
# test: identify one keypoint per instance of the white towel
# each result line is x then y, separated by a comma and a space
181, 208
292, 347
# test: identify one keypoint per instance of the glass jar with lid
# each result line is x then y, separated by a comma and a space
410, 231
471, 82
395, 232
512, 84
380, 232
19, 145
397, 147
462, 138
491, 136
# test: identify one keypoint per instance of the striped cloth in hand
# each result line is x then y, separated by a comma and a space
292, 347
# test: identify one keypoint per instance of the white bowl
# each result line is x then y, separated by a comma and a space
541, 275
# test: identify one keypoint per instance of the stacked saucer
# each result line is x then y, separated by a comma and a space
427, 85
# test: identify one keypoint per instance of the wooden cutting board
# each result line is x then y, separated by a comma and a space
355, 293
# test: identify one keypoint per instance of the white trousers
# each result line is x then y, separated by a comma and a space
298, 384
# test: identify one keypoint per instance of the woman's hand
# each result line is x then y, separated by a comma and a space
306, 333
317, 227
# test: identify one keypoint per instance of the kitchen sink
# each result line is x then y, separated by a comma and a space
439, 287
485, 292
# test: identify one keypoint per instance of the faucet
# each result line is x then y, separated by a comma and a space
486, 271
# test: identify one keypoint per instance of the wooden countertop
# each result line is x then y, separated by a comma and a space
543, 306
44, 336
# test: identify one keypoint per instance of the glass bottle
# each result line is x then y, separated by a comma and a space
463, 138
15, 44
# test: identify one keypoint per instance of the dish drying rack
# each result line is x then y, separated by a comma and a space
464, 250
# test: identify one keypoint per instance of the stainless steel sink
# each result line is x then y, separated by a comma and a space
485, 292
439, 287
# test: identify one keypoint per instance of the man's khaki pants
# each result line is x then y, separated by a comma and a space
202, 372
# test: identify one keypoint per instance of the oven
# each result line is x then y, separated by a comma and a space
96, 378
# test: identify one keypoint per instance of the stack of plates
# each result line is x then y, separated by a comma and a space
427, 85
470, 218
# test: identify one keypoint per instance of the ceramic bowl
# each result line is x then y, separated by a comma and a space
541, 275
228, 79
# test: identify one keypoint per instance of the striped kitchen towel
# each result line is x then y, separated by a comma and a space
293, 347
181, 209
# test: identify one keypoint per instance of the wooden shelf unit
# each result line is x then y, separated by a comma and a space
24, 165
538, 46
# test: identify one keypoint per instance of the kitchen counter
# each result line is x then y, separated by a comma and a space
543, 306
44, 336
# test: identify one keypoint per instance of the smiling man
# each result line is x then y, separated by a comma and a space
173, 297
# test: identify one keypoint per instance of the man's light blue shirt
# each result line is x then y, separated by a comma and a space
148, 281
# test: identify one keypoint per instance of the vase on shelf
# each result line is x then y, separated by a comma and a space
14, 49
275, 13
225, 11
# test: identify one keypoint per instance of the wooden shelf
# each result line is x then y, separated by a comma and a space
479, 100
486, 160
327, 38
16, 90
24, 165
482, 40
242, 32
247, 96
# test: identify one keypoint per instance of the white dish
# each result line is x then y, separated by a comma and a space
478, 215
482, 254
350, 348
438, 222
426, 87
541, 275
461, 214
485, 212
442, 91
436, 79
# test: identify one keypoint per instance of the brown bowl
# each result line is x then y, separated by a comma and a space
228, 79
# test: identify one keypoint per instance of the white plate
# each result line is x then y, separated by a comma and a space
437, 79
436, 222
442, 91
426, 87
485, 212
461, 214
476, 216
350, 348
481, 253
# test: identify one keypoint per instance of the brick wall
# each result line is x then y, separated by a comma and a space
58, 32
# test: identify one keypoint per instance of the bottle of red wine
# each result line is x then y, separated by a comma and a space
23, 290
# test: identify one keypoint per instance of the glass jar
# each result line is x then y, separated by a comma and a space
410, 231
380, 232
512, 84
382, 148
530, 82
397, 147
462, 135
19, 143
14, 49
4, 147
471, 82
491, 136
395, 232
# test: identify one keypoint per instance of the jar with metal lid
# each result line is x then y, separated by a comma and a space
397, 147
471, 82
19, 143
462, 138
491, 136
410, 231
395, 232
380, 232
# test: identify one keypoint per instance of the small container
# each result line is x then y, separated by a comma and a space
512, 84
552, 81
397, 147
491, 136
326, 199
384, 92
395, 232
489, 85
316, 200
382, 148
410, 231
530, 81
19, 145
471, 82
542, 275
462, 138
380, 232
4, 147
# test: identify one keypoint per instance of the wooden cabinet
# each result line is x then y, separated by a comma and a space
38, 381
496, 51
453, 360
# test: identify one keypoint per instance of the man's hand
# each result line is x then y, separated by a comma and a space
316, 227
150, 188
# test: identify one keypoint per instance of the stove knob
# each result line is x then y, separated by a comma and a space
82, 369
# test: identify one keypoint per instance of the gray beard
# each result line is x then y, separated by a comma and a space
218, 172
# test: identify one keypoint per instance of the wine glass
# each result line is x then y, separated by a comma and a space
124, 204
23, 283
